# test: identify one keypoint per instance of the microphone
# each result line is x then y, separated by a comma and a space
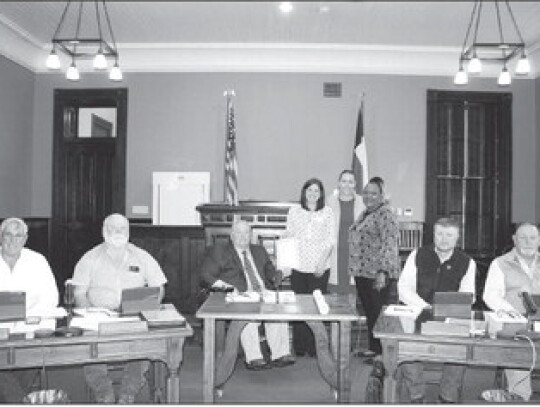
528, 303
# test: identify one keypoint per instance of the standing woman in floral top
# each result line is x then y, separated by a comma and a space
312, 224
374, 255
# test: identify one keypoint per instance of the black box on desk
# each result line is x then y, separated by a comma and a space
452, 305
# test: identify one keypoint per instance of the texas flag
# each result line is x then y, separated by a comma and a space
359, 161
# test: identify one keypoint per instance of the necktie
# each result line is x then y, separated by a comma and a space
251, 273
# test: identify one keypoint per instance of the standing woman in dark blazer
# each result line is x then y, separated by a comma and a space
374, 255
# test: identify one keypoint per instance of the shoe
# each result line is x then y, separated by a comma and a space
367, 354
442, 400
418, 400
257, 364
300, 353
283, 361
126, 399
312, 353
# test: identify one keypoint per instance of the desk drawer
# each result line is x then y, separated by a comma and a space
507, 357
419, 350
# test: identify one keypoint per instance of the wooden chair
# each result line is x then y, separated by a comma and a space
410, 237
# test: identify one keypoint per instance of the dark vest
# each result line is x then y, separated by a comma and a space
433, 276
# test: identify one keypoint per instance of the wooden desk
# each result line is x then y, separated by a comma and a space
400, 347
335, 371
164, 345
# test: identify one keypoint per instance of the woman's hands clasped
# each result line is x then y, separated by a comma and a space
380, 281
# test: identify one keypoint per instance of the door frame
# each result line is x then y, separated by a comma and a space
75, 98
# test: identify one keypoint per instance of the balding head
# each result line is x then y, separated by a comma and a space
526, 240
116, 230
241, 234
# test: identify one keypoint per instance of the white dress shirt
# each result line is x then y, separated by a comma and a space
253, 266
407, 281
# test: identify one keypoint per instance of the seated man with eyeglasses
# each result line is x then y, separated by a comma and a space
22, 269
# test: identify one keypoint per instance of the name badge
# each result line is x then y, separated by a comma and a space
134, 269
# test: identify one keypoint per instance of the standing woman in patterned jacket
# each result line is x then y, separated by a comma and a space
374, 255
312, 224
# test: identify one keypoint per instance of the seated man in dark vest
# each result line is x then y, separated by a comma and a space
429, 269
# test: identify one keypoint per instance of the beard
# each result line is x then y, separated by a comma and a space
117, 240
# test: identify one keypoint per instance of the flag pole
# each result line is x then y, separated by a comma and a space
230, 190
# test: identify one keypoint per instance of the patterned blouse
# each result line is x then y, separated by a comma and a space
315, 231
373, 244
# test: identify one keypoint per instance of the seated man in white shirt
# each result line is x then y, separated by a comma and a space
22, 269
99, 278
430, 269
229, 266
508, 276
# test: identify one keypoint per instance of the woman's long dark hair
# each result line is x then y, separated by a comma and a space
307, 184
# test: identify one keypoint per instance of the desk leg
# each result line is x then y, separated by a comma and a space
175, 347
327, 363
344, 374
209, 359
389, 353
225, 363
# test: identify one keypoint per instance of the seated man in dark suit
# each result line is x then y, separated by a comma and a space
245, 267
437, 267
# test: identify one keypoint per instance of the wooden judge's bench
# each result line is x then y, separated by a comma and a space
268, 221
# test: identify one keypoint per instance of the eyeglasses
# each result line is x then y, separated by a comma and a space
13, 236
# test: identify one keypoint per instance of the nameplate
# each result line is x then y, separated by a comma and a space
112, 328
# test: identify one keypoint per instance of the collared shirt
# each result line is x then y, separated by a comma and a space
407, 280
253, 266
104, 278
495, 289
33, 275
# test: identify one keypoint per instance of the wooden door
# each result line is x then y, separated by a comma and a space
88, 175
469, 167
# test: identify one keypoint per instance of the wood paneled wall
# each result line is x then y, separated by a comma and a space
178, 249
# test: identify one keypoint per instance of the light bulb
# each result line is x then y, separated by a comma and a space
53, 62
116, 73
100, 62
504, 77
285, 7
461, 77
475, 66
72, 72
523, 66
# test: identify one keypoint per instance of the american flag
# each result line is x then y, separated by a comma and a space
359, 160
231, 164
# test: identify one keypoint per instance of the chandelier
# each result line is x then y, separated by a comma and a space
476, 53
78, 47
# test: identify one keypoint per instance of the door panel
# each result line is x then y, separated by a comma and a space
88, 176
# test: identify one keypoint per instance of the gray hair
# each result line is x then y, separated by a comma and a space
115, 216
6, 222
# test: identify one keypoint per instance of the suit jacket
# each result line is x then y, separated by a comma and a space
221, 262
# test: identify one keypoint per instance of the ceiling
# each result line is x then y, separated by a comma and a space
418, 38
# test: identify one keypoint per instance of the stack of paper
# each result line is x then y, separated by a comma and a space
248, 296
403, 311
166, 316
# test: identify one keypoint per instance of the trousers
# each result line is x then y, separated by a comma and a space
16, 384
306, 283
450, 385
277, 337
133, 378
519, 382
372, 302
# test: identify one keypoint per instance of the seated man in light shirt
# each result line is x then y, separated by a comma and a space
508, 276
22, 269
99, 278
224, 266
429, 269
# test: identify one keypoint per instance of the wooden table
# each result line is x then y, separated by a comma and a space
164, 345
399, 347
335, 370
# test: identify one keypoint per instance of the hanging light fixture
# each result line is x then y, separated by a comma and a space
79, 47
477, 53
